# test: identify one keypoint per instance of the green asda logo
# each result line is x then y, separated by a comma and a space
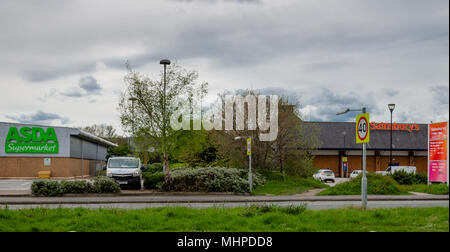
31, 140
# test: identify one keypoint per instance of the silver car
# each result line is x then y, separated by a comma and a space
324, 175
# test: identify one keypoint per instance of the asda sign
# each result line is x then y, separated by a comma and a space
31, 140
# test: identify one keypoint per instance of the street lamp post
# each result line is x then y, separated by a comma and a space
344, 172
132, 99
164, 62
391, 108
249, 153
364, 177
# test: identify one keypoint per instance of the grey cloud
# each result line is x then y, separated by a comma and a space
440, 94
390, 92
87, 86
90, 85
73, 93
57, 72
39, 117
215, 1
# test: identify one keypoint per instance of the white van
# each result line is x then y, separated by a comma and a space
125, 170
392, 169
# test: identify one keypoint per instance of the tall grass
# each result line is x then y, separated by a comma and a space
250, 219
376, 184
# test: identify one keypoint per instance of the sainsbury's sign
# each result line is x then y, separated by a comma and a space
410, 127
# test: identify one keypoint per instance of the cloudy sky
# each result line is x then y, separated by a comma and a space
63, 62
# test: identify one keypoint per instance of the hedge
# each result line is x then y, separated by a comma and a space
211, 179
51, 188
153, 180
405, 178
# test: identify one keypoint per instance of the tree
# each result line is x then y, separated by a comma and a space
292, 149
148, 115
290, 152
101, 130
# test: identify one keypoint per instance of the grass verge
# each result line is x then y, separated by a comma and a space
251, 219
376, 184
282, 184
440, 189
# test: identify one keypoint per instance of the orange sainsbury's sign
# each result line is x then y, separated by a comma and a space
410, 127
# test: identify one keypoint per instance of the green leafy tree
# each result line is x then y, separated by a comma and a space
147, 115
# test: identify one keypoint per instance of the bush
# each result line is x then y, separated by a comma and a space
153, 180
50, 188
46, 187
101, 173
405, 178
103, 184
153, 168
211, 179
376, 184
77, 186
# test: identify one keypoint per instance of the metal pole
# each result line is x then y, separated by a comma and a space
390, 156
364, 178
250, 179
164, 121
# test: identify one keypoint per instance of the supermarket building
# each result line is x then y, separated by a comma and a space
27, 149
337, 142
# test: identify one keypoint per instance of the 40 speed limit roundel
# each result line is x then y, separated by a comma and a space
362, 128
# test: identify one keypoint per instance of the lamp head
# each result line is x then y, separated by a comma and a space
343, 112
391, 107
237, 138
164, 62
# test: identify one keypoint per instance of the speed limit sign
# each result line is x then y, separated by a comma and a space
362, 128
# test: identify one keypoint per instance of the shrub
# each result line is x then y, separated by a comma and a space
152, 168
376, 184
153, 180
46, 187
405, 178
103, 184
211, 179
101, 173
77, 186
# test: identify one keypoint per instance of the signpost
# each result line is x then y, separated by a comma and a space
249, 153
363, 137
438, 152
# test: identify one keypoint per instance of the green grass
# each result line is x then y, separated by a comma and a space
253, 219
282, 184
440, 189
376, 184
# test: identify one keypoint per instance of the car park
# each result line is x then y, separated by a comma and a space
324, 175
126, 171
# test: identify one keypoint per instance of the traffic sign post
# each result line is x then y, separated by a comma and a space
363, 136
249, 153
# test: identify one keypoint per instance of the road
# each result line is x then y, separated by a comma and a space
315, 205
202, 201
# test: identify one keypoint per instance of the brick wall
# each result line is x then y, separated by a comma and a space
28, 167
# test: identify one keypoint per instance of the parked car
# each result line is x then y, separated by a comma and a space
324, 175
355, 173
127, 171
392, 169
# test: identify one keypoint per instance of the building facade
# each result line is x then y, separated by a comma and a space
337, 142
27, 149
